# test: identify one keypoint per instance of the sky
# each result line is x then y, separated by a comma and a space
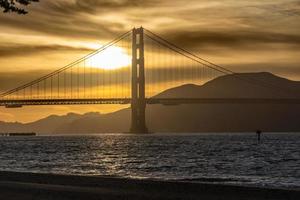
241, 35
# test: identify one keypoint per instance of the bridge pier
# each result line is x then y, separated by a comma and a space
138, 102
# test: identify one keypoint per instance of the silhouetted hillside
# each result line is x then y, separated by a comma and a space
246, 85
192, 118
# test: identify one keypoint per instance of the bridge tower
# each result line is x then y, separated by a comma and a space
138, 102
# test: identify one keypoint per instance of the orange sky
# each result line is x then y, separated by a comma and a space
245, 35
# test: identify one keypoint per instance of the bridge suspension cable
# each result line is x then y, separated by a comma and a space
275, 89
168, 67
94, 75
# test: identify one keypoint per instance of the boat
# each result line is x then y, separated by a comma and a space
18, 134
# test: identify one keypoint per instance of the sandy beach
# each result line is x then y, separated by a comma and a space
15, 185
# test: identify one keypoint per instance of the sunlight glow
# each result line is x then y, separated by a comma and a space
110, 59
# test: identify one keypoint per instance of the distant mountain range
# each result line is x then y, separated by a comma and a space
192, 118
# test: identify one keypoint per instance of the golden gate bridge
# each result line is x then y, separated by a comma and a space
132, 69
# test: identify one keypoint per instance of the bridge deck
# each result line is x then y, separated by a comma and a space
164, 101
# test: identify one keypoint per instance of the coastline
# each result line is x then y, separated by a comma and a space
19, 185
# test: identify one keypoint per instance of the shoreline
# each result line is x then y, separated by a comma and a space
247, 133
21, 185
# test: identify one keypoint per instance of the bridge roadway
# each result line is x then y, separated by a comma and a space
164, 101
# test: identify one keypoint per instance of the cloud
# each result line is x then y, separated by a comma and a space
104, 19
14, 50
287, 8
63, 26
10, 80
93, 6
234, 39
68, 19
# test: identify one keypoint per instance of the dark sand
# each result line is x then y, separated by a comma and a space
31, 186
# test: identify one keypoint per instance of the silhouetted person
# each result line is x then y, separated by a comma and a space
258, 134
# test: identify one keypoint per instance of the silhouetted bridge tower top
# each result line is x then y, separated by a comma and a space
132, 69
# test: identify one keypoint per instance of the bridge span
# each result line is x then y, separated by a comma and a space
162, 101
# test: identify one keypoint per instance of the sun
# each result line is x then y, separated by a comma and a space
110, 59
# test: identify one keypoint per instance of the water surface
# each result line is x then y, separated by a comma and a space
226, 158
